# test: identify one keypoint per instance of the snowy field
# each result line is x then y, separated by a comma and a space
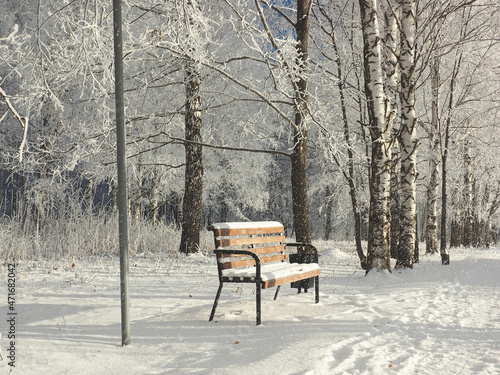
430, 320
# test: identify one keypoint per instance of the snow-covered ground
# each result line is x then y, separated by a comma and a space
430, 320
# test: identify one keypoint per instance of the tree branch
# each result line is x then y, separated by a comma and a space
184, 141
22, 120
277, 10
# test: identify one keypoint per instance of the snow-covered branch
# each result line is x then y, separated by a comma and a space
22, 120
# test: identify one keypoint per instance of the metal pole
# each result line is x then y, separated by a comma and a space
122, 172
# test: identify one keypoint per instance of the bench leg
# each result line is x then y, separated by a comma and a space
258, 302
316, 288
277, 291
215, 302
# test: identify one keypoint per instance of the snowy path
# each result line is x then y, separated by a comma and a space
430, 320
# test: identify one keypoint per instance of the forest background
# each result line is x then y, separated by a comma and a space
249, 110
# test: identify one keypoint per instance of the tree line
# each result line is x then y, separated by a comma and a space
366, 120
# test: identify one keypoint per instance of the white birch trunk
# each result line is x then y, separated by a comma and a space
431, 227
408, 141
379, 227
391, 61
468, 197
391, 91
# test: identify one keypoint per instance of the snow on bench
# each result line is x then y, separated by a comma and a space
255, 252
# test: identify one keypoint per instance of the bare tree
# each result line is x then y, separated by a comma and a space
328, 26
193, 185
299, 152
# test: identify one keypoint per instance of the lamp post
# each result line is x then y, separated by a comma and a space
122, 172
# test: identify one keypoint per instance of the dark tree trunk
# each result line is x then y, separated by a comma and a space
445, 257
193, 187
299, 153
350, 177
328, 219
299, 191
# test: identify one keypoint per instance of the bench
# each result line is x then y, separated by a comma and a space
255, 252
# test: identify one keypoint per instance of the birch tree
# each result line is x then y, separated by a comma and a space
391, 63
431, 227
409, 143
379, 226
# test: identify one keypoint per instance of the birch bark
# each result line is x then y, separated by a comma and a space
391, 89
408, 139
379, 226
431, 227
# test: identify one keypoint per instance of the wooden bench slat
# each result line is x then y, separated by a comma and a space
229, 242
290, 279
274, 274
247, 231
259, 251
251, 262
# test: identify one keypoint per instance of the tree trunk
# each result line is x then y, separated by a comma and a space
299, 153
391, 90
154, 201
137, 197
379, 226
431, 227
445, 257
408, 144
456, 233
395, 199
89, 196
193, 186
112, 204
467, 198
328, 219
193, 177
350, 155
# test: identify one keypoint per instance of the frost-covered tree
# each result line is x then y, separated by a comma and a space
381, 135
408, 139
392, 78
193, 179
340, 74
431, 228
55, 71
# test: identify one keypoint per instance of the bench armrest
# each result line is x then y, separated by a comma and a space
306, 258
241, 252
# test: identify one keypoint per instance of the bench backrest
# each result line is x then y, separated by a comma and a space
264, 238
